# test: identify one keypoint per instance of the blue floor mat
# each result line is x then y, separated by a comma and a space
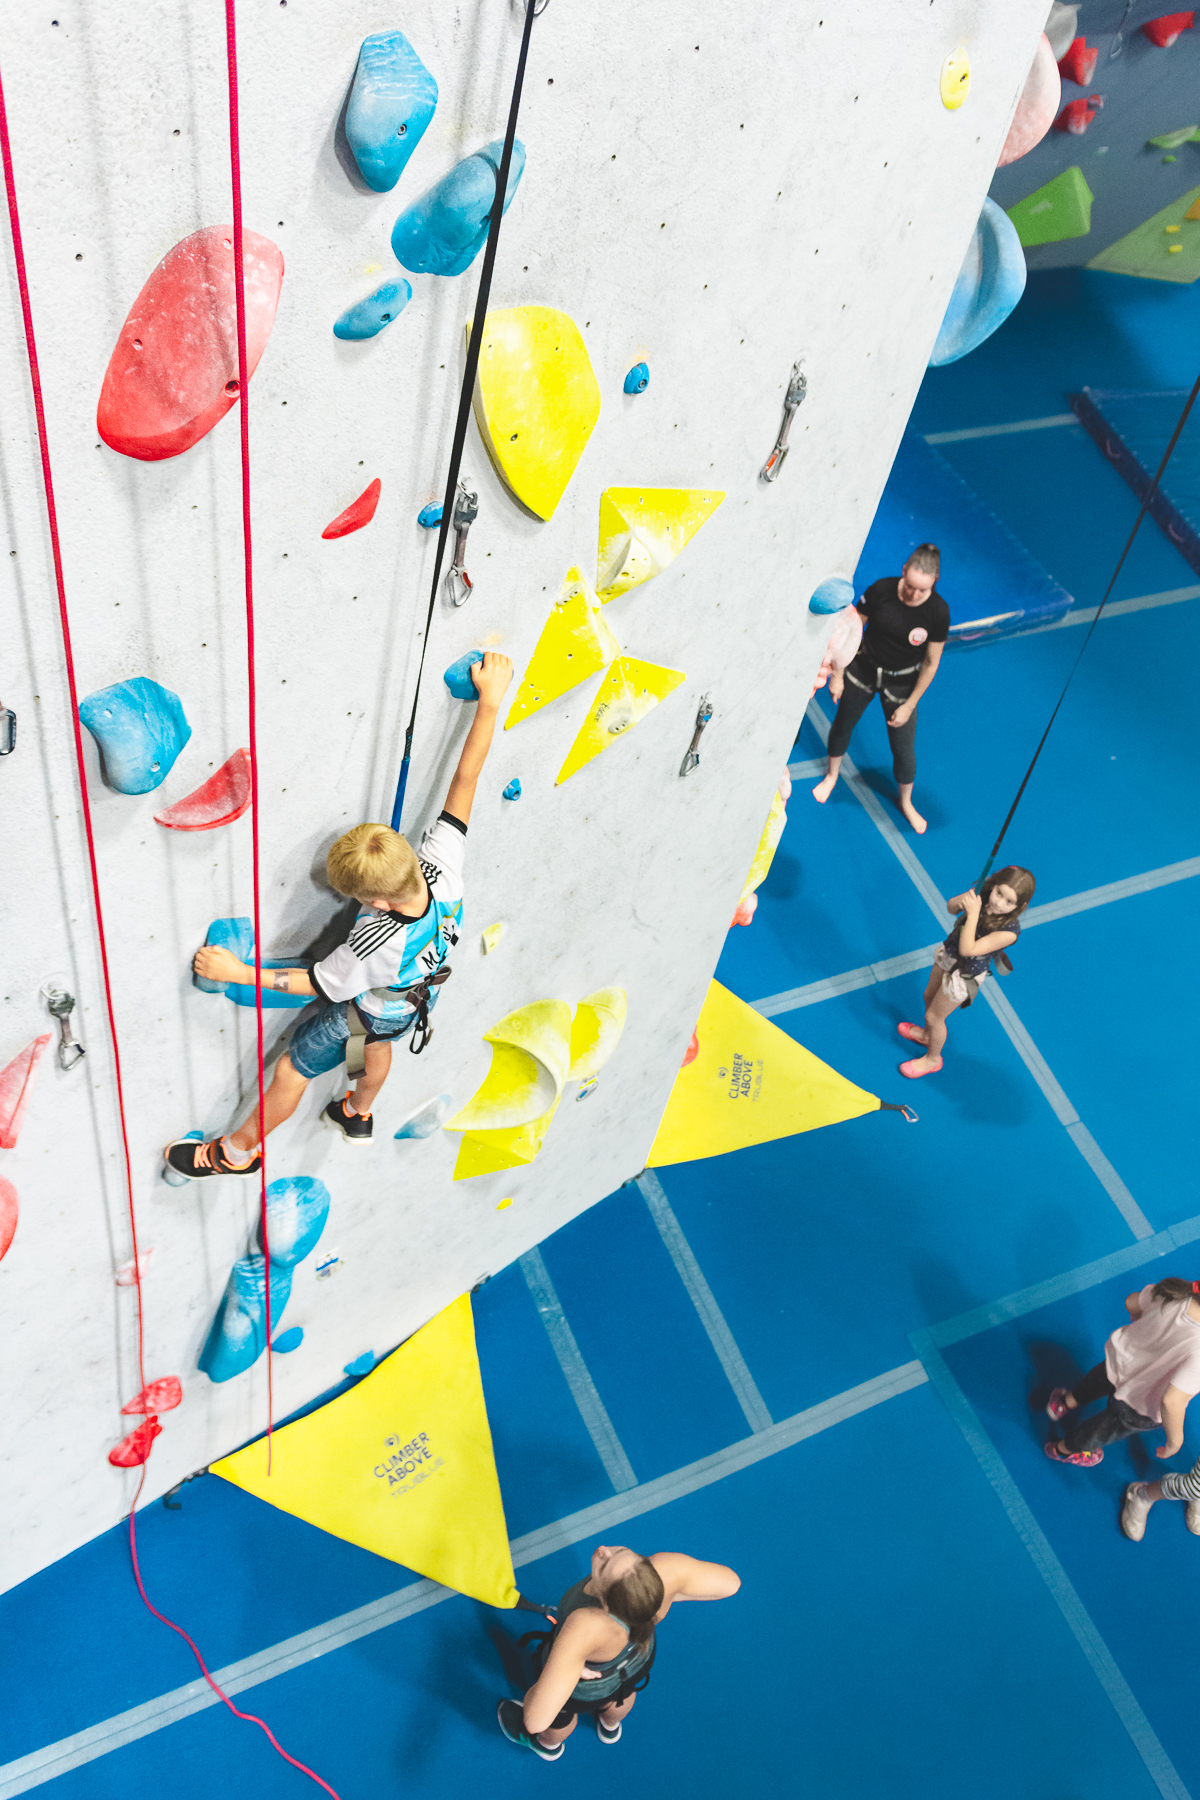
1133, 431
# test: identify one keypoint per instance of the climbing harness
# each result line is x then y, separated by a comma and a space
459, 585
417, 996
794, 399
1145, 507
474, 346
62, 1005
692, 758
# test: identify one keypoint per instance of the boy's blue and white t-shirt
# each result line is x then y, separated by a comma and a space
385, 954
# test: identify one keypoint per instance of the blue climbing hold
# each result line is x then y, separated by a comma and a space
638, 379
512, 791
458, 676
362, 1365
239, 1331
297, 1208
990, 282
291, 1339
427, 1119
375, 313
443, 232
431, 515
391, 102
237, 935
834, 594
139, 729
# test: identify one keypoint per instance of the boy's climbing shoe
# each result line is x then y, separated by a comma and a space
512, 1724
195, 1162
1056, 1405
1057, 1451
914, 1074
911, 1032
1134, 1511
355, 1127
608, 1734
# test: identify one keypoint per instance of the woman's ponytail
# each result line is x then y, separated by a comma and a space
1173, 1287
636, 1597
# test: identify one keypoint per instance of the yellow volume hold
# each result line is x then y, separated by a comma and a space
642, 530
576, 642
628, 692
536, 401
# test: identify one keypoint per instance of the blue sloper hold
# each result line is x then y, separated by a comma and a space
391, 102
375, 313
990, 282
362, 1365
238, 935
458, 676
139, 728
443, 232
239, 1331
832, 596
288, 1340
513, 790
638, 379
427, 1119
297, 1208
431, 515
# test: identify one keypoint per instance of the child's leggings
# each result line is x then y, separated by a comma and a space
1116, 1421
1182, 1487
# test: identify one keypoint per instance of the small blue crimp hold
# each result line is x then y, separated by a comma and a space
833, 595
443, 232
638, 379
391, 103
291, 1339
458, 676
362, 1365
374, 314
512, 791
431, 515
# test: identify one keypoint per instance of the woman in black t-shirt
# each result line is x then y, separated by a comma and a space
907, 624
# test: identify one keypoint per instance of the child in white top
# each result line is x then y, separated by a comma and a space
1151, 1369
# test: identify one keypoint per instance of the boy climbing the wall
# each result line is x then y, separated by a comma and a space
377, 986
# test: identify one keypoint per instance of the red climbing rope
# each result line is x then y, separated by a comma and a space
239, 283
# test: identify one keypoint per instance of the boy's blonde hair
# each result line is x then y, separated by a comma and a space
373, 861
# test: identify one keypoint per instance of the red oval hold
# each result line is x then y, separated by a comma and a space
174, 371
220, 800
360, 512
10, 1212
157, 1396
134, 1449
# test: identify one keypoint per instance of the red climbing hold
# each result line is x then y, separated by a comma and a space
16, 1084
157, 1396
692, 1051
174, 371
10, 1212
135, 1449
1164, 30
1076, 117
220, 800
1079, 64
356, 515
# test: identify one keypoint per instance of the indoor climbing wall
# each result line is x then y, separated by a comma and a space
702, 199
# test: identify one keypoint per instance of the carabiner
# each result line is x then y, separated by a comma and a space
692, 759
62, 1005
797, 389
466, 511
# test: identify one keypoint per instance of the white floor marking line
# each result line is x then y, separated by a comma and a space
1020, 1039
812, 770
1083, 615
987, 431
1124, 1701
702, 1298
43, 1765
1112, 890
617, 1465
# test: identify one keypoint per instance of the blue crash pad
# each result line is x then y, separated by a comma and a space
391, 102
443, 232
990, 282
1133, 430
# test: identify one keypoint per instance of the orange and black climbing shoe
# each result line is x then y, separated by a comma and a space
196, 1162
355, 1127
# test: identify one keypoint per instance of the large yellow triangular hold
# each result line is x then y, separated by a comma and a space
644, 529
487, 1152
531, 1052
749, 1084
536, 401
402, 1465
768, 843
628, 692
576, 641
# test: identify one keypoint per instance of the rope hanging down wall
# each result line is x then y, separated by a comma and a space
468, 386
1153, 489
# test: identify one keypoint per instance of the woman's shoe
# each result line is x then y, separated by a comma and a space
914, 1074
911, 1032
1082, 1459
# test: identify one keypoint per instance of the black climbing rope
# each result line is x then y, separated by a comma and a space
468, 387
1150, 493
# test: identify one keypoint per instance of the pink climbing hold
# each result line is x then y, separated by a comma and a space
1077, 115
220, 800
125, 1276
16, 1084
10, 1212
692, 1051
157, 1396
174, 371
359, 513
134, 1450
1079, 64
1037, 106
746, 910
1166, 28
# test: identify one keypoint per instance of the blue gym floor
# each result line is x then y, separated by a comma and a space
928, 1608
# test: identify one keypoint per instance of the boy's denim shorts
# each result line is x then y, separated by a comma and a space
318, 1043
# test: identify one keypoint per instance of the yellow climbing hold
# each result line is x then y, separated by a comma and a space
531, 1050
749, 1083
1171, 228
536, 401
1174, 249
491, 936
501, 1204
490, 1152
402, 1465
767, 845
598, 1023
576, 641
627, 693
956, 79
644, 529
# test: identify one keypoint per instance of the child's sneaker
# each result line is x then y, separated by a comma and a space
1135, 1511
355, 1127
1057, 1451
512, 1724
195, 1162
1192, 1517
1056, 1405
608, 1734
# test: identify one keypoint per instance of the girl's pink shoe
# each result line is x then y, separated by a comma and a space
911, 1032
1057, 1451
914, 1074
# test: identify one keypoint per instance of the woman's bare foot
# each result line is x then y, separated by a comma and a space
912, 815
824, 788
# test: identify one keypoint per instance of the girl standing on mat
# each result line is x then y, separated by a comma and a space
1151, 1369
991, 922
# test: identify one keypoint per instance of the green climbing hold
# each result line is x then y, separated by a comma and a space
1061, 209
1166, 247
1171, 140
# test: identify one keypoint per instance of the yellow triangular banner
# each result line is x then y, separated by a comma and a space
749, 1083
401, 1465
